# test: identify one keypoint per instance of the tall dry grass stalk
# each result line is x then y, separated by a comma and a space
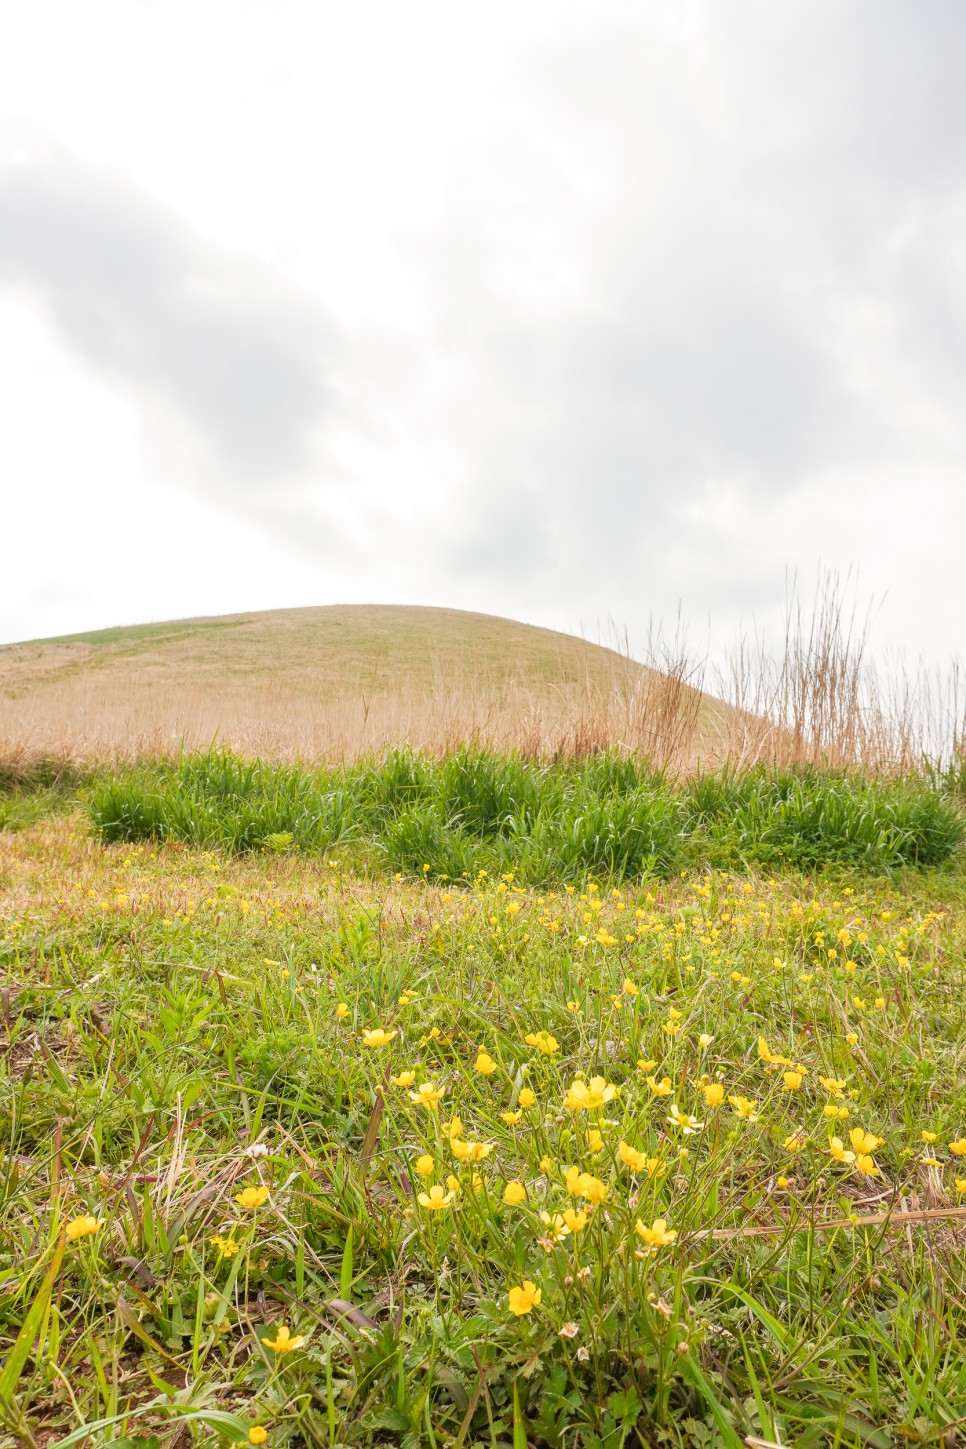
820, 699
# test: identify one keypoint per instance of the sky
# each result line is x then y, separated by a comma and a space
587, 314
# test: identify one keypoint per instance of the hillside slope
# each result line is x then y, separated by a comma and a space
338, 682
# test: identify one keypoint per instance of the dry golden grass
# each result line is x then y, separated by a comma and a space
343, 682
338, 683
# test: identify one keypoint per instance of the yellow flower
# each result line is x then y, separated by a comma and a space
543, 1041
453, 1129
688, 1125
864, 1141
585, 1096
745, 1108
839, 1151
470, 1151
524, 1298
283, 1342
252, 1197
405, 1079
658, 1235
436, 1199
833, 1085
629, 988
547, 1164
660, 1088
635, 1160
377, 1037
792, 1080
82, 1226
592, 1188
427, 1096
527, 1097
960, 1184
511, 1118
558, 1227
453, 1183
424, 1165
227, 1247
704, 1040
959, 1147
485, 1064
851, 1037
645, 1066
713, 1094
595, 1141
575, 1219
794, 1143
928, 1136
767, 1055
342, 1010
257, 1434
514, 1193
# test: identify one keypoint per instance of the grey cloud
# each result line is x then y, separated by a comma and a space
772, 291
232, 352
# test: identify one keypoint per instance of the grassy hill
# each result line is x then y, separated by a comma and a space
340, 682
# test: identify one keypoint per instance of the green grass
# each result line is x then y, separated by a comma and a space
476, 811
182, 1024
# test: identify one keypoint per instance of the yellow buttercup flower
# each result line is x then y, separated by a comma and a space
377, 1037
575, 1219
252, 1197
342, 1010
713, 1094
511, 1118
527, 1097
484, 1064
635, 1160
82, 1227
470, 1151
585, 1096
283, 1342
558, 1227
658, 1235
427, 1096
524, 1298
660, 1088
514, 1193
792, 1080
436, 1199
745, 1108
839, 1151
424, 1165
257, 1434
405, 1079
959, 1147
686, 1124
543, 1042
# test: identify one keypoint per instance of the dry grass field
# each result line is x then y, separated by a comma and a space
339, 683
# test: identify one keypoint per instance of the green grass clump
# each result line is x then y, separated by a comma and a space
698, 1148
477, 811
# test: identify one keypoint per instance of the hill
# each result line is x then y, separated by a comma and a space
340, 682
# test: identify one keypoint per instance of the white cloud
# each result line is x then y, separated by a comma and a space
566, 311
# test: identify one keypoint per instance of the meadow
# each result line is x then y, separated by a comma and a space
298, 1151
559, 1082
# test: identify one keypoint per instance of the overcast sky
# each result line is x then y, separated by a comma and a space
571, 312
